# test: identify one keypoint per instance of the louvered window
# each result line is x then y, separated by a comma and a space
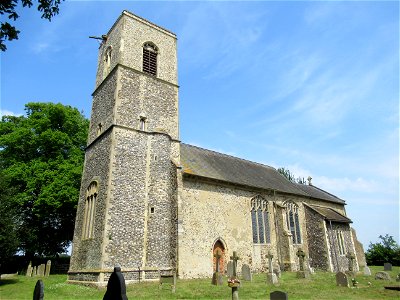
150, 59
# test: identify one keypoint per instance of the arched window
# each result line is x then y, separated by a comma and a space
107, 61
292, 217
260, 221
150, 52
90, 205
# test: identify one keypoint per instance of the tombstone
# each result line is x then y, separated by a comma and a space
277, 271
382, 276
234, 282
234, 259
229, 270
350, 257
387, 267
271, 276
217, 277
48, 267
246, 273
302, 273
398, 277
116, 289
38, 292
34, 272
367, 271
40, 270
278, 295
29, 270
341, 279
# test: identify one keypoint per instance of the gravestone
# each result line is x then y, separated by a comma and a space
234, 282
341, 279
229, 270
217, 277
34, 272
38, 292
277, 271
302, 273
398, 277
382, 276
40, 270
278, 295
48, 267
271, 276
29, 270
246, 273
387, 267
367, 271
116, 289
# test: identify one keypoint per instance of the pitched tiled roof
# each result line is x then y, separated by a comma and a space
318, 193
330, 214
222, 167
210, 164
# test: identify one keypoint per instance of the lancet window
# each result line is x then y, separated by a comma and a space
260, 221
150, 52
90, 206
292, 217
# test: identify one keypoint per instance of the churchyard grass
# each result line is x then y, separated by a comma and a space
321, 285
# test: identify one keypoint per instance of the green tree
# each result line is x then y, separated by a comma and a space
385, 251
48, 8
290, 176
41, 157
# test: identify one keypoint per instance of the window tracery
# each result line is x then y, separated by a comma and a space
260, 221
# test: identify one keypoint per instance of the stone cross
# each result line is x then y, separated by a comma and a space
301, 254
217, 256
234, 258
270, 257
350, 257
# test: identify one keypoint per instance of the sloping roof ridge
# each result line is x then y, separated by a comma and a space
235, 157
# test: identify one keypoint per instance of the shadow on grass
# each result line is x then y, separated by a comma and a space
5, 281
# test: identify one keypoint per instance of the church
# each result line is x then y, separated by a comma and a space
153, 204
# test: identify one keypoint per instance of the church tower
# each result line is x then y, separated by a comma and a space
127, 209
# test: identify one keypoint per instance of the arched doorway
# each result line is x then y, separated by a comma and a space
219, 248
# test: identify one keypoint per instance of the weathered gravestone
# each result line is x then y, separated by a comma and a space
351, 257
367, 271
302, 273
38, 292
229, 269
34, 272
48, 267
398, 277
29, 270
246, 273
387, 267
278, 295
217, 277
342, 279
382, 275
234, 282
271, 276
116, 289
40, 271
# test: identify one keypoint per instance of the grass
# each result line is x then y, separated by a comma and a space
322, 285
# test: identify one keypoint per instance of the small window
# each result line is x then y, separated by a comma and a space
90, 206
99, 129
152, 210
260, 221
150, 52
107, 61
142, 123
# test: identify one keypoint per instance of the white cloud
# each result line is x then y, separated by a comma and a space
4, 112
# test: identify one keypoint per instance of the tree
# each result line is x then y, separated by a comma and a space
41, 157
386, 251
48, 8
290, 176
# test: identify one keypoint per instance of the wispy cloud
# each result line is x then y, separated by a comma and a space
4, 112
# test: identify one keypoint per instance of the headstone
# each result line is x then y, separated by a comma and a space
367, 271
341, 279
34, 272
233, 282
229, 269
271, 276
277, 271
29, 270
48, 267
303, 273
116, 289
398, 277
278, 295
350, 257
38, 293
387, 267
217, 277
234, 259
40, 271
382, 276
246, 273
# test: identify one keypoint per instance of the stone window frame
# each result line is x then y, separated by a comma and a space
107, 61
340, 241
261, 229
293, 222
150, 58
142, 123
90, 207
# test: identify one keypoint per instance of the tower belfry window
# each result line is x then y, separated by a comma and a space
150, 52
90, 205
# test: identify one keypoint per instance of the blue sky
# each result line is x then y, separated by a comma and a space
310, 86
